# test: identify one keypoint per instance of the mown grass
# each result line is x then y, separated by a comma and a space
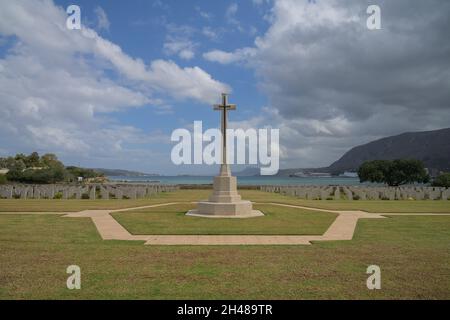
72, 205
400, 206
276, 220
13, 205
412, 252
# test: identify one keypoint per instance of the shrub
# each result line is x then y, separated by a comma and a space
393, 173
3, 179
442, 180
75, 172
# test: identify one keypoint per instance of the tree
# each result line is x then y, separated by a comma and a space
16, 168
35, 169
393, 173
76, 172
50, 160
32, 160
7, 163
3, 179
44, 169
443, 180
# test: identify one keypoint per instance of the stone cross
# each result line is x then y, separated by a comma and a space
224, 107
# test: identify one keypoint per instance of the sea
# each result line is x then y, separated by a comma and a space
243, 181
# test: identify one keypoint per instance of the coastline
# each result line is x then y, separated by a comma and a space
242, 181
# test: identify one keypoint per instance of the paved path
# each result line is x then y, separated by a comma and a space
342, 228
32, 212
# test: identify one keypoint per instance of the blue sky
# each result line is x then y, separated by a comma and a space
111, 94
142, 29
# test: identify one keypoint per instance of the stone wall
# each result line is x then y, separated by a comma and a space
361, 192
92, 192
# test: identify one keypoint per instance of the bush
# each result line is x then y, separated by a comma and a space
442, 180
43, 169
3, 179
47, 175
393, 173
75, 172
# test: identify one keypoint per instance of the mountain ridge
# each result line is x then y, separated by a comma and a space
125, 173
431, 147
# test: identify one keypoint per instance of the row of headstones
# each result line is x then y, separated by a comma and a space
398, 193
360, 192
83, 192
305, 192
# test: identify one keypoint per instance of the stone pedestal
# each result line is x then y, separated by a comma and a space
225, 202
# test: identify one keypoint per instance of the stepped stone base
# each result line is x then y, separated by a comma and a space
238, 209
225, 202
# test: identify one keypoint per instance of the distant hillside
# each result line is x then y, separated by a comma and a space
124, 173
431, 147
291, 171
253, 171
248, 172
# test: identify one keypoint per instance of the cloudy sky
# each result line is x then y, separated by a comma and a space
110, 95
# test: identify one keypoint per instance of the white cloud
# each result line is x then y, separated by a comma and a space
179, 41
224, 57
335, 84
186, 54
230, 16
260, 2
56, 96
191, 82
231, 10
184, 48
221, 56
60, 44
210, 33
204, 14
102, 19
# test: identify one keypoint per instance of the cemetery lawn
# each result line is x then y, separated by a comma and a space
413, 253
73, 205
32, 205
277, 221
377, 206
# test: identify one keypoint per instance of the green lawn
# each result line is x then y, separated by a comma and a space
424, 206
413, 253
277, 220
10, 205
34, 205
